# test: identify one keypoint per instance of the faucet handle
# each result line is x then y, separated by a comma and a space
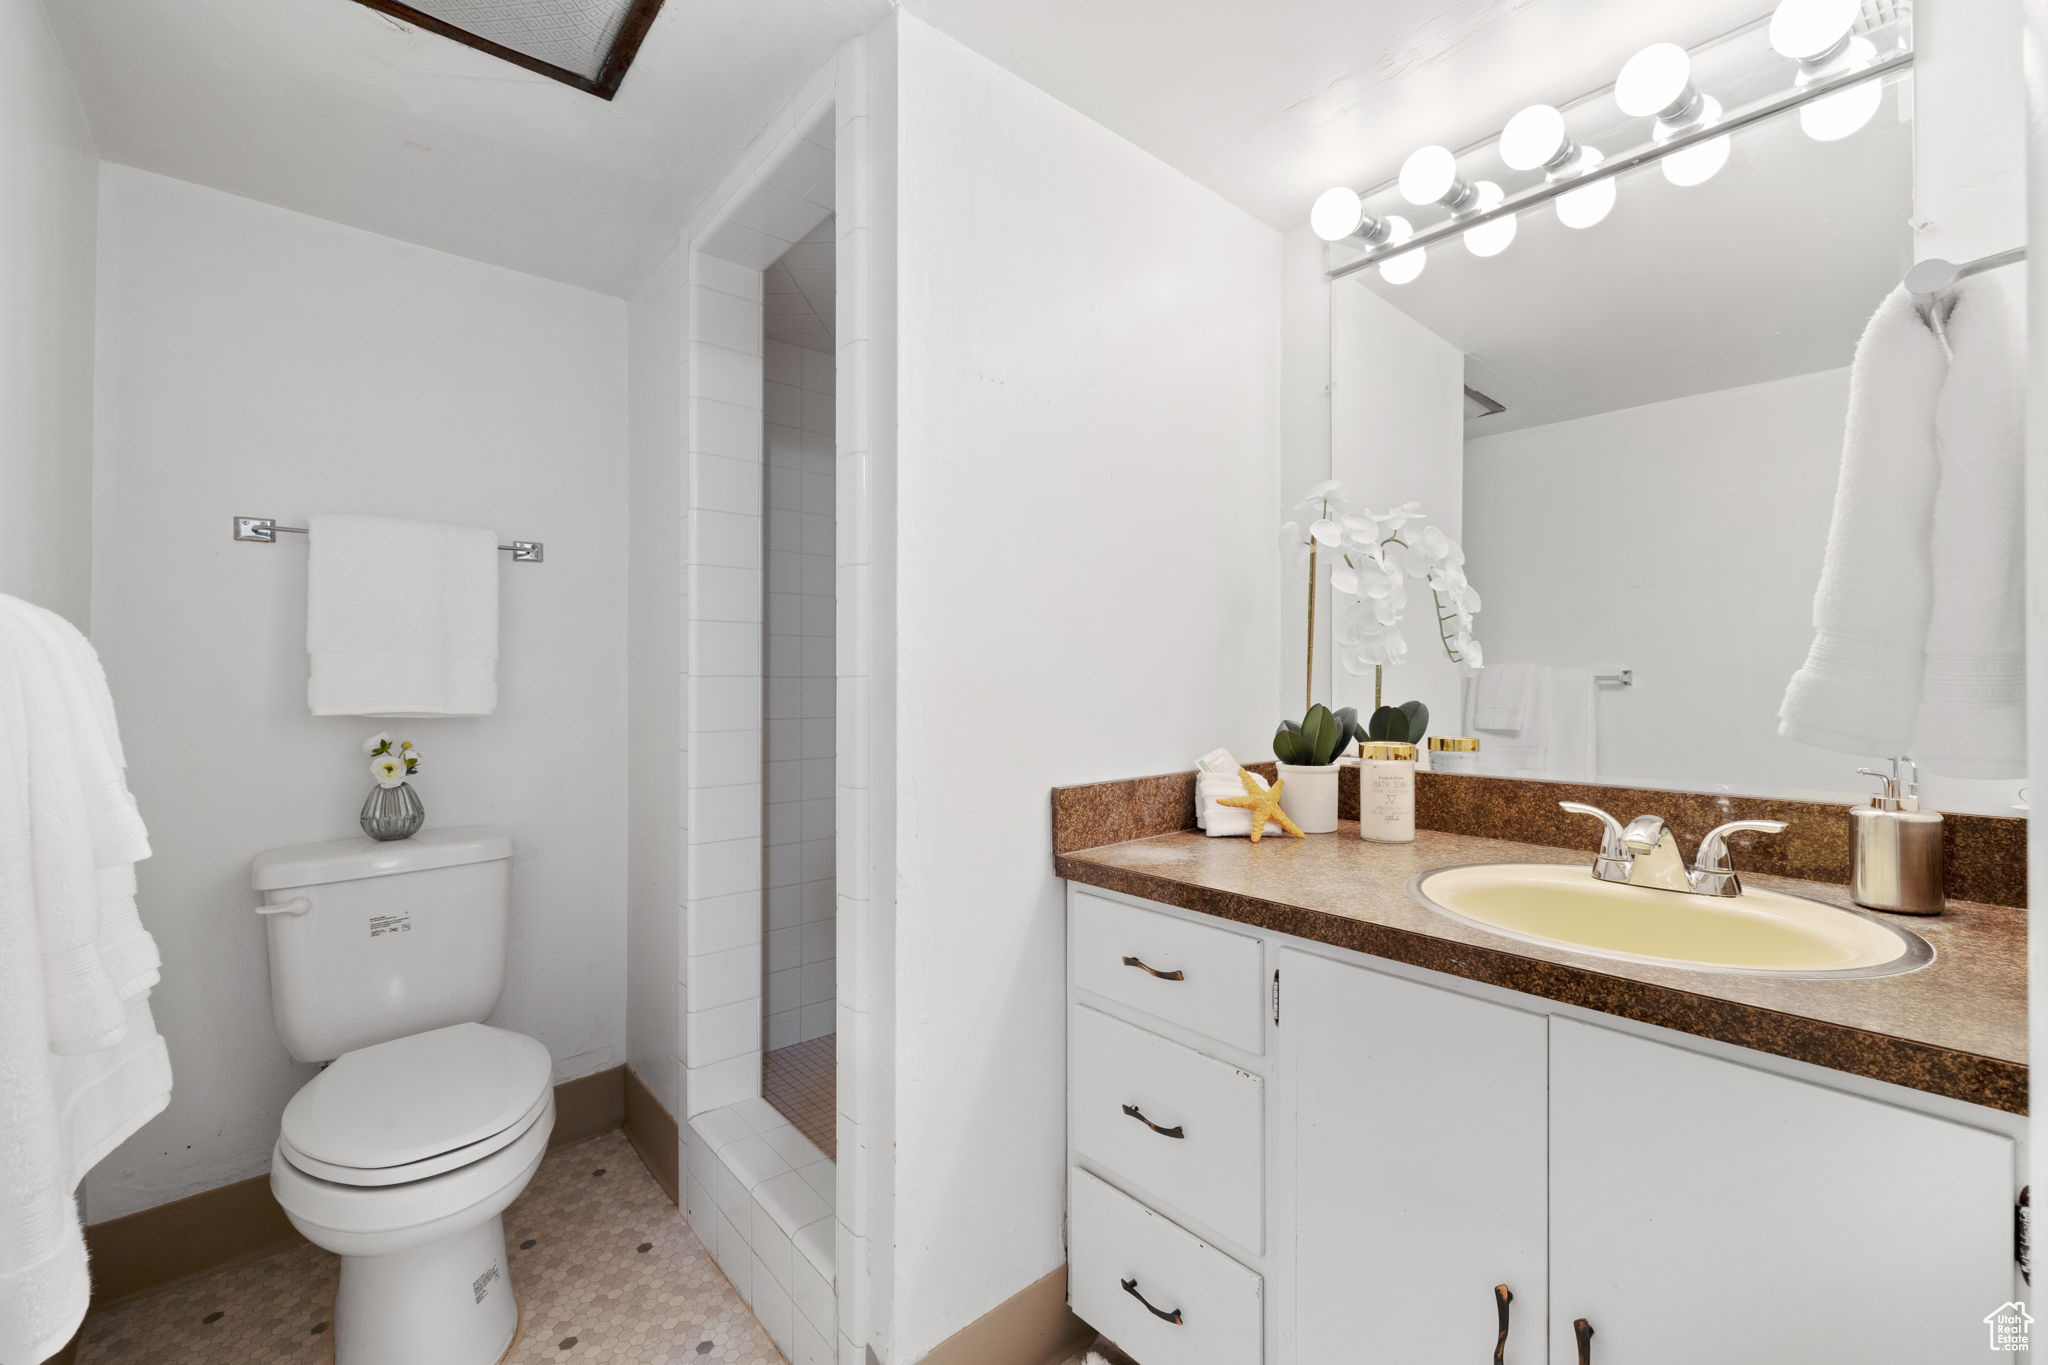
1610, 838
1712, 872
1614, 860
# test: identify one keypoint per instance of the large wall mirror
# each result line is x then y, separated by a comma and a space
1635, 426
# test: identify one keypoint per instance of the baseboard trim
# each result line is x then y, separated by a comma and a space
1032, 1327
588, 1106
652, 1131
240, 1222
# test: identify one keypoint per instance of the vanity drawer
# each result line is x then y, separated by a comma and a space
1129, 1084
1115, 1242
1209, 980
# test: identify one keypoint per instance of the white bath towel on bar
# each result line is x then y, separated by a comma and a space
81, 1064
401, 618
1972, 717
1502, 697
1558, 735
1860, 685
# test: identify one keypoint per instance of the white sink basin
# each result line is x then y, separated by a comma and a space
1761, 932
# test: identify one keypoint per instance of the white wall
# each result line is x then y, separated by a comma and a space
1304, 451
50, 173
1700, 579
1397, 431
255, 361
1087, 466
798, 736
654, 679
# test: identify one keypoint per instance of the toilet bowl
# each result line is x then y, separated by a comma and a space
401, 1158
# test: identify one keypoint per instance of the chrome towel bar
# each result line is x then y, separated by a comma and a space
264, 531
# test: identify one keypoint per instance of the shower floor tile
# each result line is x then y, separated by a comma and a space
607, 1270
802, 1082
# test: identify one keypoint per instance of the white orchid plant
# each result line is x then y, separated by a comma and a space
391, 760
1375, 558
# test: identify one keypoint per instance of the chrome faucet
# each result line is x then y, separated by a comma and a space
1645, 853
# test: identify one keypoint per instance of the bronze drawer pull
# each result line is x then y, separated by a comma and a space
1583, 1330
1502, 1297
1174, 1132
1154, 971
1131, 1288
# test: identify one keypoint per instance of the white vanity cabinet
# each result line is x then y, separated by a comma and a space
1414, 1124
1703, 1212
1355, 1182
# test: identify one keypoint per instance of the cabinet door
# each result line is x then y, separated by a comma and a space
1704, 1212
1414, 1120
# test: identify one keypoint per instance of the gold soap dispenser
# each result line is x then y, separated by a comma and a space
1895, 847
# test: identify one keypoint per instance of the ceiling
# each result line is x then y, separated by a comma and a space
330, 108
798, 292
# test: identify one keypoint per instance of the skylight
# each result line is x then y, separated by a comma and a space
584, 43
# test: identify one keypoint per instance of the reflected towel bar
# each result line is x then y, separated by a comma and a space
264, 531
1624, 677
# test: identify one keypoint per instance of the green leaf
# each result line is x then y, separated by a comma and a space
1288, 745
1319, 731
1348, 718
1418, 720
1388, 724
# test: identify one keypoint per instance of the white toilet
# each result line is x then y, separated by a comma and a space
385, 958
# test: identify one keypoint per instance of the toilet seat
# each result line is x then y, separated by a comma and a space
417, 1106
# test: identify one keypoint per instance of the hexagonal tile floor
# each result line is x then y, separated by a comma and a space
607, 1270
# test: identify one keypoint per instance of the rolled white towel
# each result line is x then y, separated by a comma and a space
1221, 821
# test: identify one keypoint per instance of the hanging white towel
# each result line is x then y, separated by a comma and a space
81, 1064
1502, 696
1972, 717
1557, 738
1860, 686
401, 618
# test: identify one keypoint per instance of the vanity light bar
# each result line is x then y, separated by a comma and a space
1734, 121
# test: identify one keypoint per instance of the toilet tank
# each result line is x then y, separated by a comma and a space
370, 940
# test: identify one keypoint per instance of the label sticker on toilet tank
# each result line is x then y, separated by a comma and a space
381, 925
484, 1282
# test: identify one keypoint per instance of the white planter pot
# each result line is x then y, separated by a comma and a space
1310, 796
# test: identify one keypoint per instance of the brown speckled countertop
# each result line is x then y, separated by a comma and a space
1956, 1027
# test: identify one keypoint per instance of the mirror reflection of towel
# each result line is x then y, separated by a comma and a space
1556, 737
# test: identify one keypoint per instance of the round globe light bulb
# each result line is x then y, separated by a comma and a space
1533, 138
1583, 208
1429, 175
1834, 117
1336, 214
1404, 268
1806, 30
1489, 239
1653, 80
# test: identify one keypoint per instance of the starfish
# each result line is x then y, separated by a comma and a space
1263, 803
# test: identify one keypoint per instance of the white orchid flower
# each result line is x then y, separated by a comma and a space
388, 769
1327, 532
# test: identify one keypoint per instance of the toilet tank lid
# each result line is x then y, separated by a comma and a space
347, 860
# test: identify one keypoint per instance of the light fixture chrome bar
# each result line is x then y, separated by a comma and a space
264, 531
1646, 154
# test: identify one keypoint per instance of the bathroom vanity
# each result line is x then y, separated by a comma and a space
1313, 1120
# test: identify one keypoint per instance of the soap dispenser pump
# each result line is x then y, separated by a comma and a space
1895, 848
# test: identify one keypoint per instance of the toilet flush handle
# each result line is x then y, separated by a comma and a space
297, 905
